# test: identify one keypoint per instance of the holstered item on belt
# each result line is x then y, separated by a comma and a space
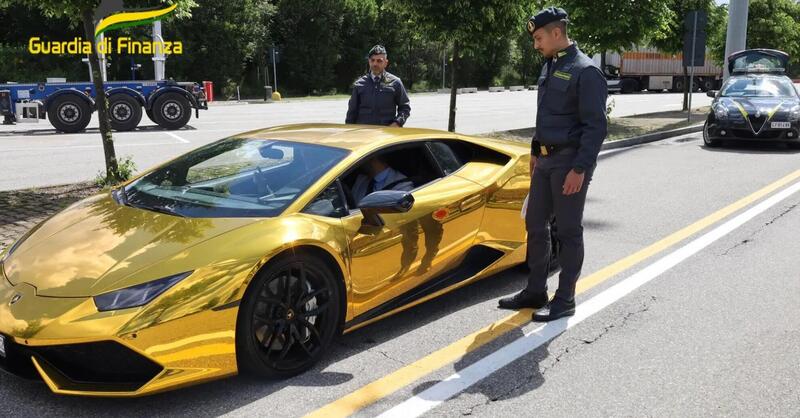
543, 150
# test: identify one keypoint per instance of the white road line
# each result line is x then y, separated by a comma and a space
460, 381
177, 137
71, 147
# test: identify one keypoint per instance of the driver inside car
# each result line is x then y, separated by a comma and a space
379, 176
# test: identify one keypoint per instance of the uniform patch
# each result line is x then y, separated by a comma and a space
562, 75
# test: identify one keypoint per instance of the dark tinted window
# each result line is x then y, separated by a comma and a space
328, 203
446, 157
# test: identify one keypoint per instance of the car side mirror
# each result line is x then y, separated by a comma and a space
384, 201
711, 93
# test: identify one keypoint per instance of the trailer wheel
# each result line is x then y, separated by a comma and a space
125, 112
629, 85
171, 111
707, 84
69, 113
677, 85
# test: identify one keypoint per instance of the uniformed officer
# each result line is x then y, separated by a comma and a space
570, 128
379, 98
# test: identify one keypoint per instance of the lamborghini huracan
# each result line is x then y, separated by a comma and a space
759, 102
251, 254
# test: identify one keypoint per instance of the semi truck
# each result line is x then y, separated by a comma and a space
646, 68
69, 105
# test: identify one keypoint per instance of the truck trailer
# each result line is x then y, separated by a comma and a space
69, 106
645, 68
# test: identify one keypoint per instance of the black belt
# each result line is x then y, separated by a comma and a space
544, 150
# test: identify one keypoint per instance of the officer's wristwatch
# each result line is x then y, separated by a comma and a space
578, 170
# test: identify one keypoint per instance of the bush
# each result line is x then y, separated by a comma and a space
126, 170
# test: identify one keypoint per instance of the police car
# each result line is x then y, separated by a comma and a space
759, 102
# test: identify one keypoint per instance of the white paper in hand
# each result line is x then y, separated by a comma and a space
524, 210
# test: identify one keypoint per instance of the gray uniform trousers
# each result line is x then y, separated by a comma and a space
546, 200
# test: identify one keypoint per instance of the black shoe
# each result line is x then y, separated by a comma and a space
557, 308
524, 299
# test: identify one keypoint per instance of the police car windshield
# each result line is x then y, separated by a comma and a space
759, 86
234, 177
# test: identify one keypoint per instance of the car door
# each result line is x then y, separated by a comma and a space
412, 248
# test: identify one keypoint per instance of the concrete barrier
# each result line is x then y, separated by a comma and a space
533, 87
443, 91
469, 90
496, 89
516, 88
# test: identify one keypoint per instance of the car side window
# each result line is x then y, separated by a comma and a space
447, 158
330, 203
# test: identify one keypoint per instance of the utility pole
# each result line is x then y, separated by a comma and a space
737, 30
691, 76
159, 58
444, 65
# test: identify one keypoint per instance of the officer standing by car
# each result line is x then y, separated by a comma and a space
570, 128
379, 97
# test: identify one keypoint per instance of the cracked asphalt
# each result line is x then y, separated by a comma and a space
717, 335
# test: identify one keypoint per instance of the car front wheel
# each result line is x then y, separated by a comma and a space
710, 142
288, 318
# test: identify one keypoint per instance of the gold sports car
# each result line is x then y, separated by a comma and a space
253, 253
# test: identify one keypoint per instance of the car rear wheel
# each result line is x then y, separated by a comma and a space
710, 142
288, 318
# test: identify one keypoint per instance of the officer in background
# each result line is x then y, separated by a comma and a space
379, 98
570, 128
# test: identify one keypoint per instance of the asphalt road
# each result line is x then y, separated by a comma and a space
705, 325
33, 155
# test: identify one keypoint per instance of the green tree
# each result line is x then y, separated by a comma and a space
220, 40
466, 24
672, 42
775, 24
600, 26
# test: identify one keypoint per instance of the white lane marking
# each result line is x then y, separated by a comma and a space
463, 379
177, 137
69, 147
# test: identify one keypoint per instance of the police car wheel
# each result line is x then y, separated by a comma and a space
707, 140
125, 112
171, 111
69, 113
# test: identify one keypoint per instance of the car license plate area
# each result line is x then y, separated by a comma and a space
780, 125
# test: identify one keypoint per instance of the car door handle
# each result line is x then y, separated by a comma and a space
470, 202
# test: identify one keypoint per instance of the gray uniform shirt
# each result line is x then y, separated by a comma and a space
572, 105
378, 103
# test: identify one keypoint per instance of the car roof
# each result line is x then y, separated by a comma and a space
350, 137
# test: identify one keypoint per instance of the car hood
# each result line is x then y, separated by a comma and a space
95, 244
755, 106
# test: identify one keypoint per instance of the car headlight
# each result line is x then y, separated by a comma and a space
135, 296
720, 111
794, 114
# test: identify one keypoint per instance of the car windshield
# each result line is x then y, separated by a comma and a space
759, 86
234, 177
